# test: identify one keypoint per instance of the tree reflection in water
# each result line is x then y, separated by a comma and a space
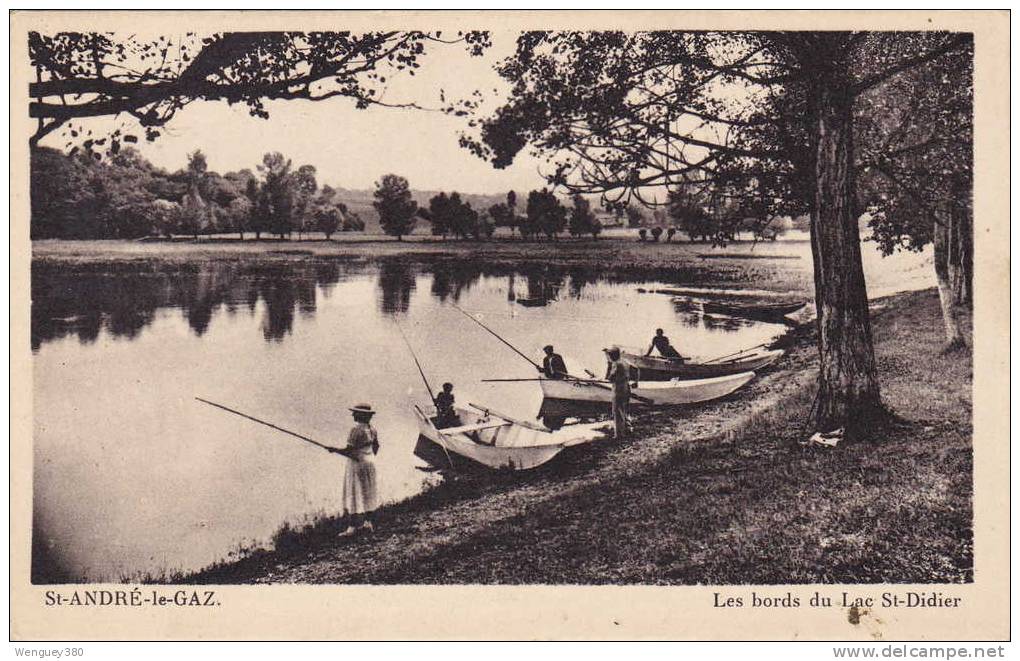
124, 299
396, 282
83, 300
691, 315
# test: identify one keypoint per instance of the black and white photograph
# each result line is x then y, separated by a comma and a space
511, 299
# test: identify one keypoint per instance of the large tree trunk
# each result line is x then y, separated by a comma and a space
960, 260
848, 383
953, 257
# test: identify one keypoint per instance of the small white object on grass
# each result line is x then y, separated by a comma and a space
828, 439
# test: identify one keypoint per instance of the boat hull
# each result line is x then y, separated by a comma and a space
775, 311
651, 368
660, 393
506, 447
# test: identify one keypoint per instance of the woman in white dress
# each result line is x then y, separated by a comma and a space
360, 497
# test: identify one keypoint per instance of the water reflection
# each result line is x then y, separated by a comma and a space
124, 299
294, 341
451, 281
396, 282
692, 315
124, 302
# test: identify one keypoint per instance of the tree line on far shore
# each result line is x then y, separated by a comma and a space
124, 196
448, 214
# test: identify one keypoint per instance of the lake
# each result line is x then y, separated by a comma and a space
133, 477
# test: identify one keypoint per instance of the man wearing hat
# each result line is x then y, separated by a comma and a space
552, 365
360, 496
618, 374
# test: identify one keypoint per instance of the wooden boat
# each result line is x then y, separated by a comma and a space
533, 302
655, 368
660, 393
753, 310
499, 442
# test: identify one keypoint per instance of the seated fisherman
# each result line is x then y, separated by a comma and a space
552, 365
661, 343
446, 414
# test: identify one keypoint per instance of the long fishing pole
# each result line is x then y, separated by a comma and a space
420, 370
757, 346
536, 365
269, 424
427, 387
495, 335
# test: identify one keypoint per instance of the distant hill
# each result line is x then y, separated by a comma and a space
360, 202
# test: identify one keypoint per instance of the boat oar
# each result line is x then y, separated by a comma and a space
523, 423
730, 355
328, 448
496, 335
533, 363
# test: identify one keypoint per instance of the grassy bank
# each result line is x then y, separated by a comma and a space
781, 266
721, 493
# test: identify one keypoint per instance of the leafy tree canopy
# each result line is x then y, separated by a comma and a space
82, 75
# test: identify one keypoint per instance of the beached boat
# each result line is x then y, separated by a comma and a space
655, 368
753, 310
659, 393
487, 438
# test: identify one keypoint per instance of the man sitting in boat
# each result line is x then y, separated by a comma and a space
661, 344
446, 415
552, 365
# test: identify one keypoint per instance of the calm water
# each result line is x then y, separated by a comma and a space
133, 476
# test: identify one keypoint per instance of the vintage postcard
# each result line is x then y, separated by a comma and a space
652, 325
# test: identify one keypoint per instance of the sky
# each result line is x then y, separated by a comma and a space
353, 148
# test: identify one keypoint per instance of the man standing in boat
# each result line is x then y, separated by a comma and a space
661, 344
618, 374
552, 365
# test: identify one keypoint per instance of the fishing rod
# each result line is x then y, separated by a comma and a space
427, 387
495, 335
536, 365
730, 355
413, 356
271, 425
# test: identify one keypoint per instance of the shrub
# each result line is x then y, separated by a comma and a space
670, 233
656, 233
642, 234
353, 223
328, 221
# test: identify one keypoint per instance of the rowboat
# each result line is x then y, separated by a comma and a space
655, 368
753, 311
499, 442
660, 393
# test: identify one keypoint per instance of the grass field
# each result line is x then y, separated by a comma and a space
718, 494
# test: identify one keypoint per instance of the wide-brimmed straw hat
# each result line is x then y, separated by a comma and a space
362, 408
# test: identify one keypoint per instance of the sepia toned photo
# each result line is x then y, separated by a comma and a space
531, 306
